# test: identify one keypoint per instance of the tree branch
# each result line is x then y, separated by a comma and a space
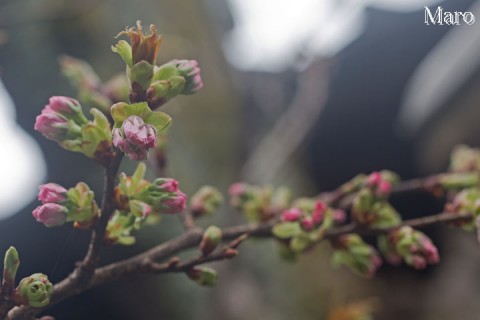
91, 258
146, 262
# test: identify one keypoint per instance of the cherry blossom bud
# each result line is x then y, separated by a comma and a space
205, 201
211, 238
166, 185
135, 138
318, 212
418, 262
51, 214
307, 223
191, 72
35, 290
238, 193
52, 193
175, 203
291, 215
52, 125
238, 189
362, 206
204, 276
416, 249
140, 209
384, 188
352, 251
161, 91
10, 268
429, 250
64, 105
374, 179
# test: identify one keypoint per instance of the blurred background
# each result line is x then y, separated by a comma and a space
303, 93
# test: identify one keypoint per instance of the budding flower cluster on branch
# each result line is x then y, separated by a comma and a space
60, 205
151, 83
137, 199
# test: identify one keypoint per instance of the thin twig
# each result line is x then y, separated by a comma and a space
186, 218
91, 259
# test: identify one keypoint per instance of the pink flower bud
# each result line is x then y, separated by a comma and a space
318, 212
64, 105
237, 189
50, 214
135, 138
174, 204
307, 223
419, 262
384, 188
374, 179
52, 193
167, 185
191, 72
52, 125
430, 251
291, 215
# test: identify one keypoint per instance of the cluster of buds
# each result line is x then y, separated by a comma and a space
466, 202
34, 290
350, 250
205, 201
312, 214
151, 83
136, 128
60, 205
259, 203
409, 245
137, 199
304, 224
380, 185
91, 92
370, 207
63, 121
174, 78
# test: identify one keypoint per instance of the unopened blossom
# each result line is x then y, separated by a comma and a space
52, 193
166, 184
52, 125
374, 179
35, 290
175, 203
64, 105
205, 201
135, 138
191, 72
291, 215
318, 212
384, 188
50, 214
307, 223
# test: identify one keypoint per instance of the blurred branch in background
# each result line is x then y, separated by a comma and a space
292, 126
